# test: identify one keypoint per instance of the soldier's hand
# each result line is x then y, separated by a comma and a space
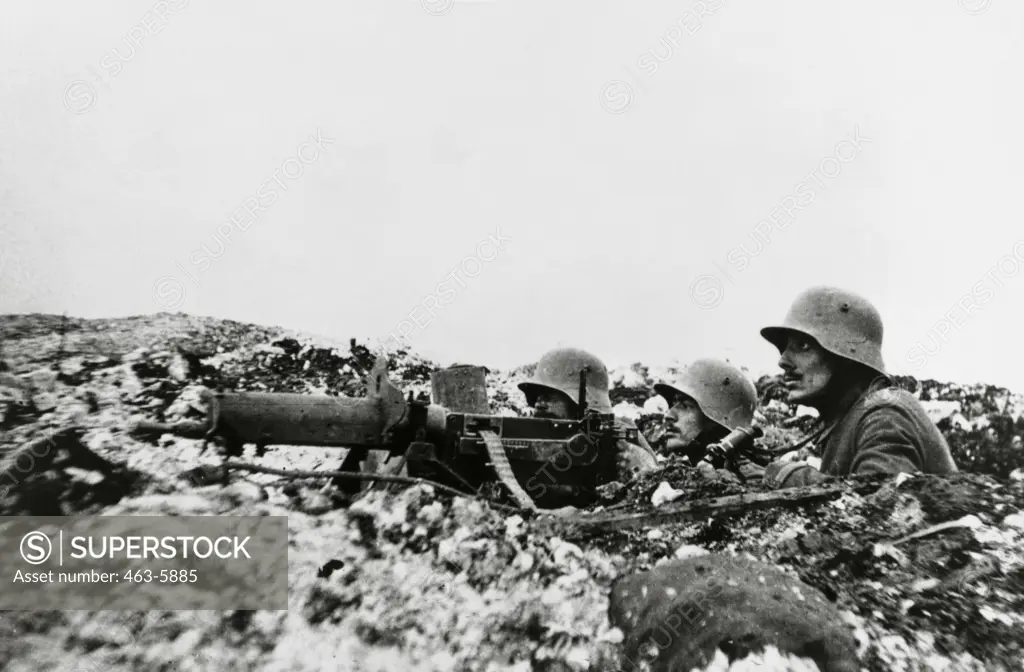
712, 474
750, 470
791, 456
797, 455
802, 455
634, 460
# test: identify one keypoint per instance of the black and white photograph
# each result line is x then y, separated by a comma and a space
505, 336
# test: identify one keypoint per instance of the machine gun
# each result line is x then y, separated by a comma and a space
454, 441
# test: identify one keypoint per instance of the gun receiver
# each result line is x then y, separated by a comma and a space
460, 449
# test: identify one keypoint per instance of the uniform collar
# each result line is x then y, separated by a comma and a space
845, 401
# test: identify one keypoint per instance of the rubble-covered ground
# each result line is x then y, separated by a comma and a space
411, 579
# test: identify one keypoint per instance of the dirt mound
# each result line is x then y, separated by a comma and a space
414, 579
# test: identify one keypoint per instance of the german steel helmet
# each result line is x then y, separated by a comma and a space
723, 392
559, 370
843, 323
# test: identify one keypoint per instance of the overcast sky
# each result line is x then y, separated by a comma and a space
622, 152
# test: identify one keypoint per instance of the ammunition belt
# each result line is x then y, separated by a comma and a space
496, 452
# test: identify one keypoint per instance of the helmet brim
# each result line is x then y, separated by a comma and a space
778, 336
531, 388
596, 399
668, 391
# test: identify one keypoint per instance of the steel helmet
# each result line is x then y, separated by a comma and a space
843, 323
723, 392
559, 370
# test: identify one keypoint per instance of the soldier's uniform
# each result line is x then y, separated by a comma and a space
872, 427
559, 370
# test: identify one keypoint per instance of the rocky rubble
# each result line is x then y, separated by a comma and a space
414, 579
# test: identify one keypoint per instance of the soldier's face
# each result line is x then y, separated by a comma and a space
551, 404
807, 369
684, 422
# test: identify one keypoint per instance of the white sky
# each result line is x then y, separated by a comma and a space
490, 115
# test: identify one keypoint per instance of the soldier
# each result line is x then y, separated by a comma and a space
708, 399
830, 345
553, 389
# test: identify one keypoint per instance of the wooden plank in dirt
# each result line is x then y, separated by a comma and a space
701, 509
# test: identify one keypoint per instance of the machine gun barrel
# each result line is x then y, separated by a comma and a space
309, 420
271, 418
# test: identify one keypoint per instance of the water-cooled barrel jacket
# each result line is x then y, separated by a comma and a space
885, 431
